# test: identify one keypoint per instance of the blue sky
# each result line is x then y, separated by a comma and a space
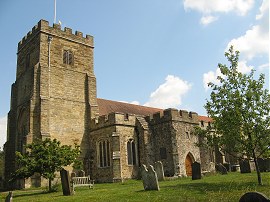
159, 53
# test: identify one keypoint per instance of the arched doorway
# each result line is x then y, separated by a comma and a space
188, 164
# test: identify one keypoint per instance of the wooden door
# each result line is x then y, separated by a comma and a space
188, 163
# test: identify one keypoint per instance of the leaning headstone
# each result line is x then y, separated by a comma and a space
211, 167
149, 177
254, 197
245, 166
221, 169
227, 166
81, 173
65, 180
196, 171
261, 164
144, 174
159, 170
9, 197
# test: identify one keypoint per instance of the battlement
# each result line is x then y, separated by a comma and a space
111, 119
55, 30
173, 115
205, 124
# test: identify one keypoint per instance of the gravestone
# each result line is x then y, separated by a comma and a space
245, 166
73, 174
9, 197
261, 164
211, 167
196, 171
267, 164
149, 177
235, 168
159, 170
227, 166
252, 165
65, 180
221, 169
81, 173
254, 197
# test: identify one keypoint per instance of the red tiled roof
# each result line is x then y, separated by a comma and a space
205, 119
109, 106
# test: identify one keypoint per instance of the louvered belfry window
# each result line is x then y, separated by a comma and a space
67, 57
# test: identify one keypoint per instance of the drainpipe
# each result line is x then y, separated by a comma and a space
49, 63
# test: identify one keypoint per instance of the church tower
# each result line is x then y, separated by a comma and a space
54, 95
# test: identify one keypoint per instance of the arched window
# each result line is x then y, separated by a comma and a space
103, 149
67, 57
131, 151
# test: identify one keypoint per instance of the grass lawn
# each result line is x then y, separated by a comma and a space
212, 188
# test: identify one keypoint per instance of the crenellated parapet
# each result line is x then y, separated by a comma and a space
56, 31
204, 124
173, 115
113, 119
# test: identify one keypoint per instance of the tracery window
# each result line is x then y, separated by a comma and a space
103, 149
131, 152
67, 57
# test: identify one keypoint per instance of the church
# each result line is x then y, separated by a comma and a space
54, 96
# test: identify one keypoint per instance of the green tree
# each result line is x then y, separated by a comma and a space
239, 106
46, 158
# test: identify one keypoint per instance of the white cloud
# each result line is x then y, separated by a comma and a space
170, 93
3, 131
255, 42
208, 7
263, 67
135, 102
263, 9
242, 67
211, 77
205, 20
241, 7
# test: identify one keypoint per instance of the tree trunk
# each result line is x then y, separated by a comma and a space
257, 167
50, 185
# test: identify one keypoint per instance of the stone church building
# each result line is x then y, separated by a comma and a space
54, 96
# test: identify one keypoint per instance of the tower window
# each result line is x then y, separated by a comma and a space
131, 151
27, 61
103, 154
67, 57
187, 135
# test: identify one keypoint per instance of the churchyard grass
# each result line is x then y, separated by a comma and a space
211, 188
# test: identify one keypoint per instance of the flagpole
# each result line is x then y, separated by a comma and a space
54, 21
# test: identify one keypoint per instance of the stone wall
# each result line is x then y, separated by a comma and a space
50, 98
173, 139
101, 174
117, 128
207, 154
185, 144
